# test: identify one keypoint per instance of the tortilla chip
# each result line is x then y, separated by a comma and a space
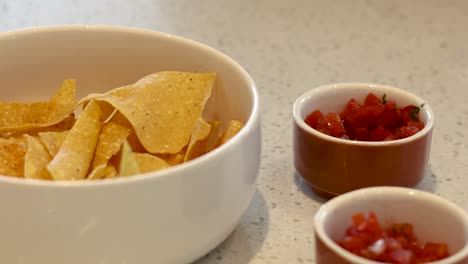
110, 172
147, 162
174, 159
110, 140
83, 101
98, 172
25, 116
53, 141
199, 140
233, 128
103, 171
214, 138
36, 160
66, 93
132, 137
163, 107
74, 157
128, 163
12, 152
64, 125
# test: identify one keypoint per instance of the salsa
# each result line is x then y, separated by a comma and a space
378, 119
394, 244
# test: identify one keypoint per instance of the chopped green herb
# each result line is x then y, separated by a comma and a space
384, 98
414, 113
422, 105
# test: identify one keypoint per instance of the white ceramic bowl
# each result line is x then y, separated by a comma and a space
172, 216
434, 219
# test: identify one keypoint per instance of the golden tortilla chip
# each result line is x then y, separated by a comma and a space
163, 107
64, 125
25, 116
132, 137
97, 172
199, 140
12, 152
66, 93
53, 141
147, 162
233, 128
110, 140
110, 172
74, 157
214, 138
103, 171
36, 160
128, 163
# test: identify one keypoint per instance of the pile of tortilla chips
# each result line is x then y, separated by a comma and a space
147, 126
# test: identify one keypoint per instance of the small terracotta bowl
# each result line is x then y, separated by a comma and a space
434, 219
332, 166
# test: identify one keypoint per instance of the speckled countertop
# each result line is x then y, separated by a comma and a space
289, 47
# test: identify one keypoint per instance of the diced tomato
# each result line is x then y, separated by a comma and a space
372, 100
418, 124
390, 105
405, 230
335, 125
376, 120
406, 131
433, 251
313, 119
369, 116
395, 244
390, 117
409, 113
351, 125
379, 134
351, 108
358, 219
371, 224
352, 244
362, 133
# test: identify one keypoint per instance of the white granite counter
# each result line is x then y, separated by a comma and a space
289, 47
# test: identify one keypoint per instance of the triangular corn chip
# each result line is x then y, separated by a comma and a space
128, 163
199, 140
53, 141
25, 116
103, 171
36, 160
147, 162
12, 152
110, 140
163, 107
233, 128
214, 138
110, 172
74, 157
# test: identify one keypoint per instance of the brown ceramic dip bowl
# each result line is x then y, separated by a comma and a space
333, 166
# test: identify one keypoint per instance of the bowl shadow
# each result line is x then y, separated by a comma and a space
304, 188
429, 182
248, 237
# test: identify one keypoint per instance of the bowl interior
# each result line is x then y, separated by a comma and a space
34, 62
433, 218
333, 98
